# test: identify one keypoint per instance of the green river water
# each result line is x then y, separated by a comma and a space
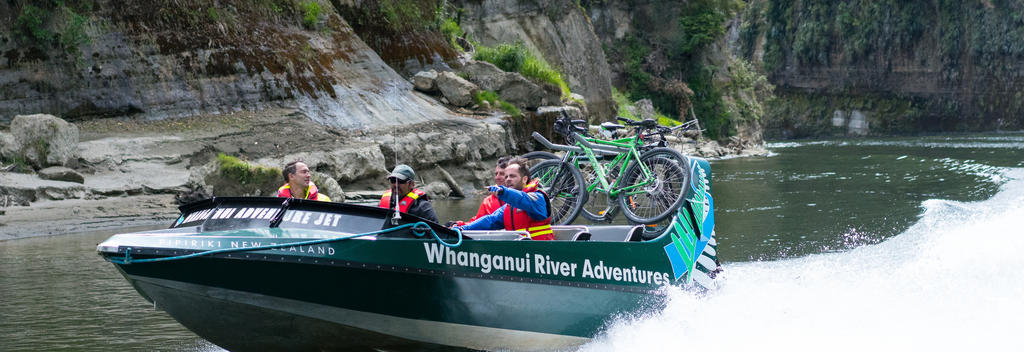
808, 198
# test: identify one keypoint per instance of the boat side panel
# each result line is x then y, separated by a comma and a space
413, 293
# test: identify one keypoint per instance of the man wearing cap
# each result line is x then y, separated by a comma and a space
298, 183
410, 200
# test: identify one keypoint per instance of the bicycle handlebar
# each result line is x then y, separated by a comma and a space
552, 146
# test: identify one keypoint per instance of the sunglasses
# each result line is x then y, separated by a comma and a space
396, 180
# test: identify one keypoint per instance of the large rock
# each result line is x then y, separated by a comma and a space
329, 186
645, 109
485, 75
60, 173
555, 112
425, 81
21, 189
458, 90
524, 93
511, 86
45, 140
347, 164
7, 148
559, 31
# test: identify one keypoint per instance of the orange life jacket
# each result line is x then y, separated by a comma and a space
403, 205
518, 220
286, 192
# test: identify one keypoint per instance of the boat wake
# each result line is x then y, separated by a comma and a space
952, 281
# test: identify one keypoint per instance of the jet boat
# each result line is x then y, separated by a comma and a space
252, 273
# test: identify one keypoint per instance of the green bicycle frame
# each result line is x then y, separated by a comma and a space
621, 161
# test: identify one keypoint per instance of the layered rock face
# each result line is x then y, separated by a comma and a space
168, 59
559, 30
888, 67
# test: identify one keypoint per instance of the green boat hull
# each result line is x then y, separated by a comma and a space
303, 280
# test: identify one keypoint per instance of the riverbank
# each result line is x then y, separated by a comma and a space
136, 172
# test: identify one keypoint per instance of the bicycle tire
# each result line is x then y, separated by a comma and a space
541, 155
564, 186
671, 171
598, 207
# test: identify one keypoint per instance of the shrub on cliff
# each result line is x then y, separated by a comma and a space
47, 24
246, 174
516, 58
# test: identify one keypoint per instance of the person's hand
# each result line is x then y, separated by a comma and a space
495, 190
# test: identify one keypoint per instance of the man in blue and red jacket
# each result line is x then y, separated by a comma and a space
527, 208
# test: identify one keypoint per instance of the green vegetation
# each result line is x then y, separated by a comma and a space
246, 174
702, 22
749, 89
672, 71
450, 30
802, 115
44, 24
624, 106
858, 29
31, 23
492, 98
517, 58
310, 14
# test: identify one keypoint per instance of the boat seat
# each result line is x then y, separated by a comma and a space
613, 233
567, 232
502, 235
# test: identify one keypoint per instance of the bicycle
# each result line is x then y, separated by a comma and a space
647, 185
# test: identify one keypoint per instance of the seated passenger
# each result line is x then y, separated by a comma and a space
491, 203
298, 183
527, 207
413, 201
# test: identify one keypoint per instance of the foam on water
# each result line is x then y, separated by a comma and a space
952, 281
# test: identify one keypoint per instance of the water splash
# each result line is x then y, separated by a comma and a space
950, 282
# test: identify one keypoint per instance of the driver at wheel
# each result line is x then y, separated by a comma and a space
527, 208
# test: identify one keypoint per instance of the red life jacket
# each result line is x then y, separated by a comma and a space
489, 205
403, 205
518, 220
286, 192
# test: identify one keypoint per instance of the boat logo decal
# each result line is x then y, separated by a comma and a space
686, 236
542, 264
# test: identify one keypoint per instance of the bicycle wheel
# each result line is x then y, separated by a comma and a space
598, 206
564, 187
659, 194
540, 155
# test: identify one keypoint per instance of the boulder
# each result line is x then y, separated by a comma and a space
7, 148
329, 186
555, 112
346, 164
645, 109
60, 173
425, 81
436, 190
45, 140
511, 86
458, 90
485, 75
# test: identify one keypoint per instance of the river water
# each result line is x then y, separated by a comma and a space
910, 243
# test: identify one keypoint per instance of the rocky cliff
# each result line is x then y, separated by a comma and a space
559, 30
676, 54
86, 59
888, 67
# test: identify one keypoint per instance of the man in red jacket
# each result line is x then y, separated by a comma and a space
492, 203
